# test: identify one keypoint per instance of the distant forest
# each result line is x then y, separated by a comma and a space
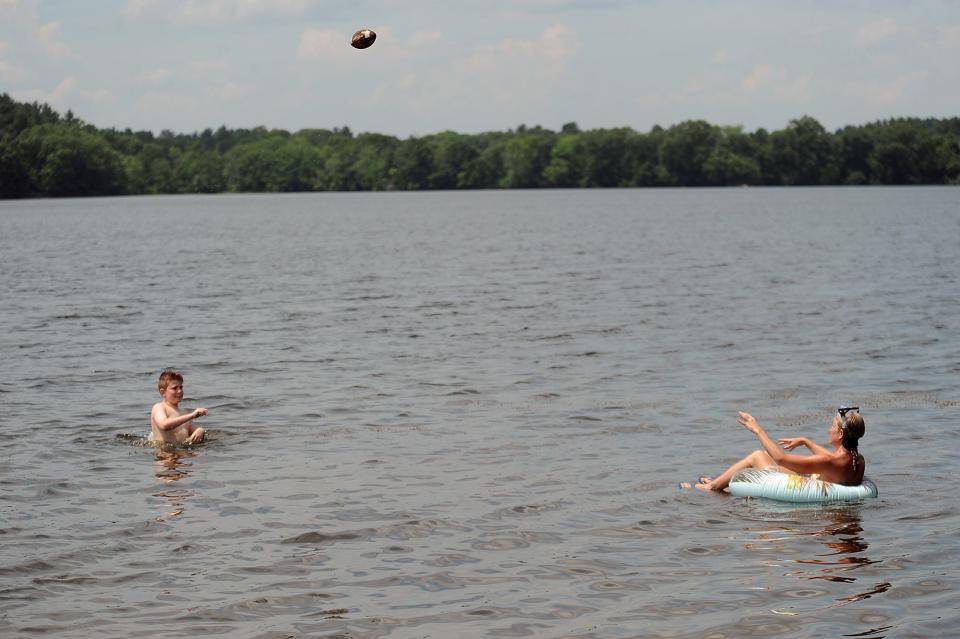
46, 154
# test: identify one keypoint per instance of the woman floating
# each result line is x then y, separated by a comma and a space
844, 465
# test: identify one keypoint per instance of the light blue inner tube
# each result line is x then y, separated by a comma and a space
772, 484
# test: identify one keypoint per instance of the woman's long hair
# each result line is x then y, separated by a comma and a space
853, 429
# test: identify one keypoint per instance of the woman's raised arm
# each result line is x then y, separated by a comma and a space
815, 463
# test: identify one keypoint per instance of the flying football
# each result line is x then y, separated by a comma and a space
363, 38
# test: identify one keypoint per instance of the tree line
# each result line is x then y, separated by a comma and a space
46, 154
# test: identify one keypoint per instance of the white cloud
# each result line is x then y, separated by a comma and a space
65, 87
157, 105
200, 74
723, 56
709, 89
513, 71
48, 35
798, 89
13, 73
193, 11
552, 6
68, 94
555, 45
876, 32
660, 100
202, 67
137, 7
323, 44
18, 23
55, 97
156, 76
19, 13
10, 6
546, 3
949, 35
510, 74
765, 78
424, 38
234, 90
103, 96
889, 92
757, 76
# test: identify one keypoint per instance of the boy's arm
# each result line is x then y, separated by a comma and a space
197, 434
169, 423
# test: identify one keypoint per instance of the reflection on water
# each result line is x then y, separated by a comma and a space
843, 537
171, 465
840, 555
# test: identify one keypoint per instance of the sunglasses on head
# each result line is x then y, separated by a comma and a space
843, 410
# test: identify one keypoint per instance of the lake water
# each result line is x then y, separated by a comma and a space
466, 414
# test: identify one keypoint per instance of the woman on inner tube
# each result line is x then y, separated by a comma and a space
843, 465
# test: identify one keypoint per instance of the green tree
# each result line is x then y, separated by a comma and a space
372, 158
564, 169
452, 154
732, 161
14, 172
854, 146
726, 168
67, 161
803, 154
413, 165
199, 171
602, 157
524, 159
893, 162
275, 164
17, 117
151, 171
44, 154
485, 171
686, 149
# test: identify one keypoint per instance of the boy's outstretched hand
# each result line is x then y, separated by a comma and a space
198, 433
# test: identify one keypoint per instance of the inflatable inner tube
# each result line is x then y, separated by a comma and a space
772, 484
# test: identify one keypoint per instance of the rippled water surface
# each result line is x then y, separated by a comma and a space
465, 414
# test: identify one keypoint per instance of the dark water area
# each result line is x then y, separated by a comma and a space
466, 414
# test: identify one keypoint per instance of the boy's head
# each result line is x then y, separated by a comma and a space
169, 377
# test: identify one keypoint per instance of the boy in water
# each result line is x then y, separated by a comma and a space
167, 425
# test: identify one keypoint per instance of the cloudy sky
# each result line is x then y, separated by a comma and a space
481, 65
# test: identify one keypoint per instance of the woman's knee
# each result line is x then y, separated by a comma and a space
760, 458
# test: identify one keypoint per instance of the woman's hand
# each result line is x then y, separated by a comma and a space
789, 443
747, 421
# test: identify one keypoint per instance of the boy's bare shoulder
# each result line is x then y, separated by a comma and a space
162, 410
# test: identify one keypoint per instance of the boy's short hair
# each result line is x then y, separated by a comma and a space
167, 376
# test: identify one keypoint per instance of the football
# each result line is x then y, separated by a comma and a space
363, 39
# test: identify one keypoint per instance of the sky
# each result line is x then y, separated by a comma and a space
481, 65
